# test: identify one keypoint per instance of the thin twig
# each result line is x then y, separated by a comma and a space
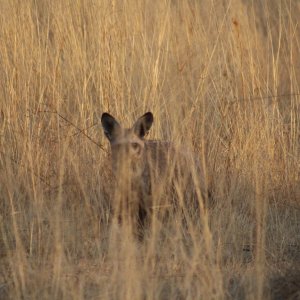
80, 131
264, 97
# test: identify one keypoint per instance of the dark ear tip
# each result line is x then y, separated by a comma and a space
106, 116
149, 116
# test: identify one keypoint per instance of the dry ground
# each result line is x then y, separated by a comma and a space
221, 77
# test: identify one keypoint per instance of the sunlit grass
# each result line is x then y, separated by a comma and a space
222, 80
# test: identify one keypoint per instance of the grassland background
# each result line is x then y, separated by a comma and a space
221, 77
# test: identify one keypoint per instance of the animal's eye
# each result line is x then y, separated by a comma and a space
135, 146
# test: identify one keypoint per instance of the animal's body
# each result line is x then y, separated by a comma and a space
150, 174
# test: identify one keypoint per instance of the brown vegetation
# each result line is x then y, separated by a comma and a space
221, 77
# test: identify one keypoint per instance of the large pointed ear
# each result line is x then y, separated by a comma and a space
143, 125
110, 126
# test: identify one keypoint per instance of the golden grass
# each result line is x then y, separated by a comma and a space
221, 78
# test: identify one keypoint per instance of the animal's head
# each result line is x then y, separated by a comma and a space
127, 144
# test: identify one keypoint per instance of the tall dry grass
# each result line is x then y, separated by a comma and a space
221, 78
